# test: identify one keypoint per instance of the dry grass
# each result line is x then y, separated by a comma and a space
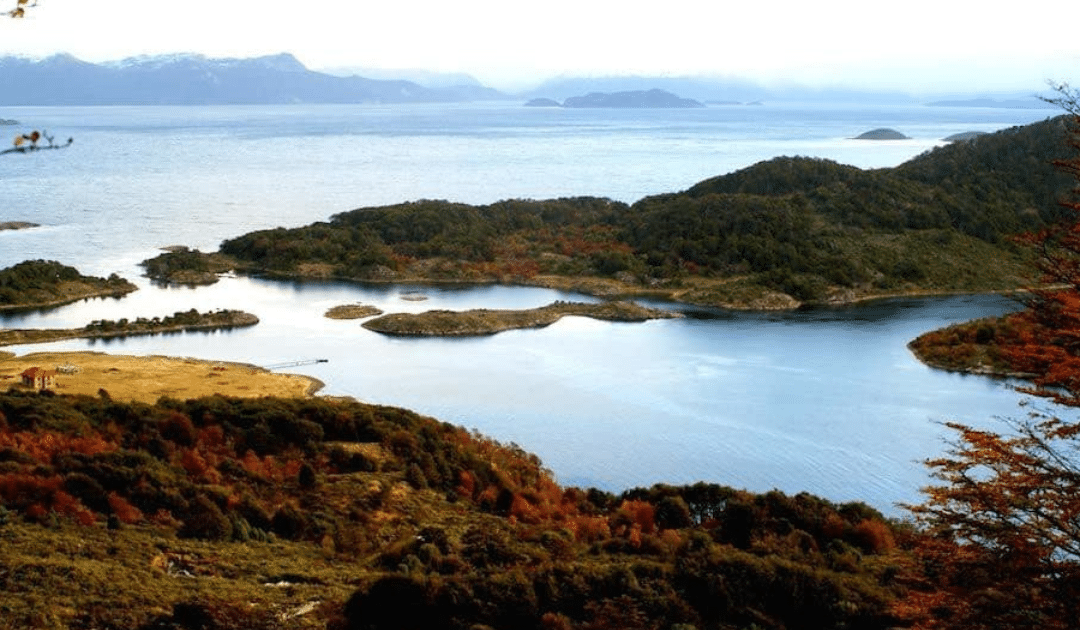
146, 379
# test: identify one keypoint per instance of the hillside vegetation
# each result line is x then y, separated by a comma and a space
785, 231
36, 283
295, 513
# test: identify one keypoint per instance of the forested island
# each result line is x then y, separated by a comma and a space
488, 322
779, 234
38, 283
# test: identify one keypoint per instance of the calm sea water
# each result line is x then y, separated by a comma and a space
828, 401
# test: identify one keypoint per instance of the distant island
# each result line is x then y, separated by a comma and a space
8, 121
477, 322
17, 225
882, 134
635, 99
543, 102
1032, 103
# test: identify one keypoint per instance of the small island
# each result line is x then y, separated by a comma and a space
543, 102
105, 329
479, 322
882, 134
352, 311
43, 283
17, 225
636, 99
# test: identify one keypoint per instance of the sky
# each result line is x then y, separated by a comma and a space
918, 46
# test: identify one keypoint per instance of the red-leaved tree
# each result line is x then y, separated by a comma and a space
1003, 525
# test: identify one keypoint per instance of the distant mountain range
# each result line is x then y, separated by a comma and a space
189, 79
732, 91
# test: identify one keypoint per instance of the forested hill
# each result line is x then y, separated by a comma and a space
776, 234
990, 186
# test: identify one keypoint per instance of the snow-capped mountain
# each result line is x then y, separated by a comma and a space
190, 79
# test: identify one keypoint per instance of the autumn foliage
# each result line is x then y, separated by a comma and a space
1003, 523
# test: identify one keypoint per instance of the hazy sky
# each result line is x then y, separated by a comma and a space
916, 45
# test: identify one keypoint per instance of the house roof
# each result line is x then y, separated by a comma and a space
36, 372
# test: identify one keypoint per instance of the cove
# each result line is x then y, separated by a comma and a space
828, 400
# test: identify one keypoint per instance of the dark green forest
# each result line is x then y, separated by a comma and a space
35, 282
809, 228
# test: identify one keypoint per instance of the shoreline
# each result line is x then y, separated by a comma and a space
481, 322
114, 293
151, 377
613, 289
24, 336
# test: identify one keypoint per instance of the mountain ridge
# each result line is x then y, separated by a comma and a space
191, 79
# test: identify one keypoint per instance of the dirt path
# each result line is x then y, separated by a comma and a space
146, 379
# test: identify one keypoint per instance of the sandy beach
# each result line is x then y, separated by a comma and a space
148, 378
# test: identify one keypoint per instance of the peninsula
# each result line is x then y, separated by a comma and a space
780, 234
104, 329
42, 283
145, 379
441, 323
184, 266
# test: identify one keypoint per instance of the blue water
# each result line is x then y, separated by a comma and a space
827, 401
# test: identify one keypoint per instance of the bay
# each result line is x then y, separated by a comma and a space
828, 401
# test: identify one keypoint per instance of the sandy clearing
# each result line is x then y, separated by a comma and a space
147, 378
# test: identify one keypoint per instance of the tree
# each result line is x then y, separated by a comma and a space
27, 142
20, 8
1004, 525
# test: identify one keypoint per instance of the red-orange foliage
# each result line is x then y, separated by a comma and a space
873, 536
38, 496
44, 445
466, 484
589, 528
641, 513
198, 466
1004, 550
126, 512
